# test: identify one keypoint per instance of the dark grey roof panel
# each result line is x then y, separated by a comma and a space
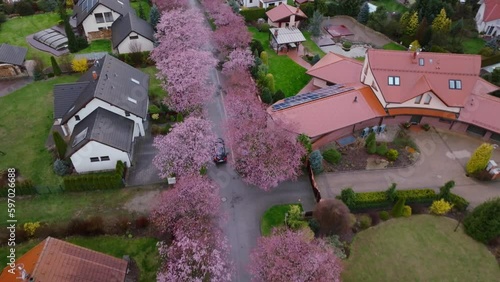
81, 12
14, 55
126, 24
65, 96
104, 127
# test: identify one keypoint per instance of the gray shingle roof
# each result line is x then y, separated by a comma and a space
104, 127
118, 84
85, 7
287, 35
12, 54
65, 96
128, 23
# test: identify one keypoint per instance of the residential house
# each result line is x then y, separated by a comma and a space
335, 69
119, 89
394, 87
249, 3
56, 260
12, 60
132, 34
488, 17
271, 3
285, 16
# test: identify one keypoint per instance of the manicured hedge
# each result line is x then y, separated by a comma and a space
417, 195
25, 187
96, 181
252, 15
458, 202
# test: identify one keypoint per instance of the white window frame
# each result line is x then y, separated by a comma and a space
393, 81
111, 19
428, 99
102, 16
455, 84
418, 99
105, 158
94, 159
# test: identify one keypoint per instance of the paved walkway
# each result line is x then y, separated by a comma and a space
443, 158
296, 56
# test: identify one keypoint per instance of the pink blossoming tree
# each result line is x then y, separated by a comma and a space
165, 5
290, 256
186, 149
239, 60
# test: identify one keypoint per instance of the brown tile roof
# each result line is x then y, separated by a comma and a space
331, 113
491, 10
284, 11
433, 76
56, 260
336, 68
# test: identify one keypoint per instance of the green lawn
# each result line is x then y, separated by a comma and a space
14, 32
390, 5
26, 117
419, 248
288, 75
145, 7
394, 46
142, 250
63, 207
274, 217
311, 45
156, 92
100, 45
473, 45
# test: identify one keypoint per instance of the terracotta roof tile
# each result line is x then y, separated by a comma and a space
491, 10
434, 75
284, 11
482, 109
337, 69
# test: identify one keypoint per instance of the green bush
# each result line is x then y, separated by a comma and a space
384, 215
490, 61
314, 225
479, 159
382, 149
458, 202
315, 59
417, 195
348, 196
372, 148
180, 118
256, 45
486, 52
25, 187
483, 223
96, 181
61, 146
306, 142
406, 211
346, 44
278, 95
61, 168
294, 219
365, 221
445, 190
367, 198
153, 109
266, 96
391, 193
392, 155
337, 245
369, 139
252, 15
397, 210
316, 161
332, 156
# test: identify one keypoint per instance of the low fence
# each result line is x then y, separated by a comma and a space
314, 185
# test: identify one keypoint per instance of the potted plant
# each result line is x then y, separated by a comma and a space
406, 125
346, 46
426, 127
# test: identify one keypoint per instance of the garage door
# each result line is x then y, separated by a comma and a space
476, 130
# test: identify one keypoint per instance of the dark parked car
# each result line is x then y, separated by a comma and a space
220, 155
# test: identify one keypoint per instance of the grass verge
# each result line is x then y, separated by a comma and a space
394, 46
100, 45
156, 92
311, 45
274, 217
473, 45
419, 248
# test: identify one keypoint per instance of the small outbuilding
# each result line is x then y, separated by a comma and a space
285, 38
12, 60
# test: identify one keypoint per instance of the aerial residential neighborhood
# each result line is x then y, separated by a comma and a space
252, 140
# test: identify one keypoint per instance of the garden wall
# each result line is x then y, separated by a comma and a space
367, 123
330, 137
396, 120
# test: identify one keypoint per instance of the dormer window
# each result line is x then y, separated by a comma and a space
421, 61
99, 18
394, 80
455, 84
428, 99
418, 99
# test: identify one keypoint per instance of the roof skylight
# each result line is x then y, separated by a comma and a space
132, 100
135, 81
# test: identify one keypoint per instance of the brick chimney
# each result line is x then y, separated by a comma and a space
94, 75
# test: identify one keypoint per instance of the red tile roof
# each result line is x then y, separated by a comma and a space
482, 109
57, 260
284, 11
491, 10
433, 76
337, 69
331, 113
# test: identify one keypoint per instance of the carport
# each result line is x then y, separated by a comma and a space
285, 37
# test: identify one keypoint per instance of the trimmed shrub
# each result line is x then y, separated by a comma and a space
333, 217
384, 215
445, 190
382, 149
61, 168
458, 202
365, 221
370, 138
180, 118
392, 155
61, 145
314, 225
417, 195
349, 197
371, 148
266, 96
315, 59
25, 187
256, 45
316, 161
346, 45
483, 223
153, 109
294, 220
306, 142
479, 159
252, 15
406, 211
397, 210
332, 156
95, 181
440, 207
486, 52
55, 67
31, 227
278, 95
24, 8
369, 199
264, 58
390, 193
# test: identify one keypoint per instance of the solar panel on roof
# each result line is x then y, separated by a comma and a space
311, 96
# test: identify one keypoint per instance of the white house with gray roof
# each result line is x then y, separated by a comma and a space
97, 15
132, 34
111, 85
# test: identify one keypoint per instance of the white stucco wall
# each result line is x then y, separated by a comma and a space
144, 43
435, 104
94, 104
266, 5
250, 3
483, 26
90, 24
369, 80
82, 163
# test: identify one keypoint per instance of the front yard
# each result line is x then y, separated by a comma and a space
419, 248
25, 120
473, 45
100, 45
288, 75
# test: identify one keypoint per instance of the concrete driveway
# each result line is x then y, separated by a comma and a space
443, 158
143, 172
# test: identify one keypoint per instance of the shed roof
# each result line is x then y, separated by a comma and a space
57, 260
123, 26
14, 55
287, 35
336, 68
284, 11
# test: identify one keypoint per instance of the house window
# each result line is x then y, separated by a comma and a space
418, 99
421, 61
94, 159
99, 18
134, 37
455, 84
428, 99
394, 80
77, 118
108, 16
251, 1
105, 158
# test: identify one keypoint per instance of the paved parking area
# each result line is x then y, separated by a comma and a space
143, 172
